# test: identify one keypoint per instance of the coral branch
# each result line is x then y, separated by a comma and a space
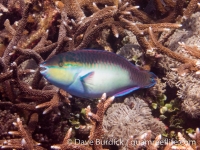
192, 63
68, 144
26, 142
17, 36
97, 119
190, 8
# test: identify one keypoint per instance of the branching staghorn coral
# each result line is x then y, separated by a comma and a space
144, 141
97, 120
96, 133
6, 116
25, 142
67, 143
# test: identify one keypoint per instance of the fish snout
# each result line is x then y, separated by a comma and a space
43, 68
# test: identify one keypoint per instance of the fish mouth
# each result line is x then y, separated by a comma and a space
43, 69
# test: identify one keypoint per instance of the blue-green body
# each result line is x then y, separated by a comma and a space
90, 73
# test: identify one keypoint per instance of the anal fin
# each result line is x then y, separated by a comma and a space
126, 91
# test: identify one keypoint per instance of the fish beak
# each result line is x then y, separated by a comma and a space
43, 69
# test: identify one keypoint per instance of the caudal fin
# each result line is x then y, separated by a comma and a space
151, 80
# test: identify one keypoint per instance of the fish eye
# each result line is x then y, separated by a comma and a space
60, 64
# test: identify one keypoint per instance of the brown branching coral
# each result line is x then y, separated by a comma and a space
96, 133
67, 143
25, 142
44, 22
144, 141
92, 4
55, 101
97, 120
9, 118
196, 137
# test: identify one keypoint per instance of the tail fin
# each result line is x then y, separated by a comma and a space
152, 80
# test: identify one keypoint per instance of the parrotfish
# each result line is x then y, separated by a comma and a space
89, 73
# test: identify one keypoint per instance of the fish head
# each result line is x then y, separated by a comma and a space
58, 71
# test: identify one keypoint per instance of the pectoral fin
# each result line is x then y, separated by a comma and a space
87, 81
126, 91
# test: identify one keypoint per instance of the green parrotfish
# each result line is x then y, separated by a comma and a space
90, 73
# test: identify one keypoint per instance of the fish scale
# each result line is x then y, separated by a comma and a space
89, 73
